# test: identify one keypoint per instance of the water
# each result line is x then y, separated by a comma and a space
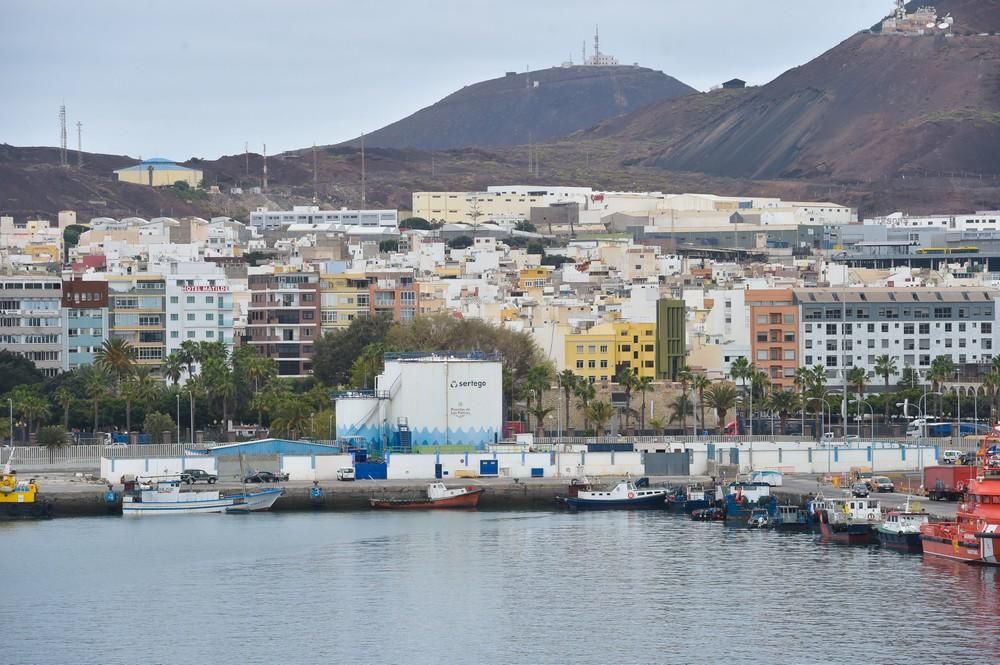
470, 587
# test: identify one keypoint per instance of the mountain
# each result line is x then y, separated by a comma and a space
874, 106
522, 108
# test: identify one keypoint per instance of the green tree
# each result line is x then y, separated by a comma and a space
96, 381
942, 369
30, 405
721, 397
117, 356
367, 366
585, 393
567, 382
460, 242
292, 419
700, 383
885, 366
658, 425
17, 371
141, 387
784, 403
335, 352
857, 378
680, 408
991, 384
417, 223
599, 413
626, 377
156, 424
65, 398
539, 413
388, 246
53, 437
643, 384
173, 367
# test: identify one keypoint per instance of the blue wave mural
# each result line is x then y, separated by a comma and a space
479, 437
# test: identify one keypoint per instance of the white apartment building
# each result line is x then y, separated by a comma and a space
263, 219
982, 220
845, 328
199, 305
31, 323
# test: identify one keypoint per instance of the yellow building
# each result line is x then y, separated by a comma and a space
343, 298
597, 353
159, 172
472, 207
533, 278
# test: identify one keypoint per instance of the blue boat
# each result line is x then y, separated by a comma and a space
689, 499
624, 496
791, 518
900, 530
743, 498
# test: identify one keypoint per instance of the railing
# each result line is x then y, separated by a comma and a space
451, 355
360, 394
90, 455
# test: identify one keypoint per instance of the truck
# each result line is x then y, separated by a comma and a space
947, 483
927, 428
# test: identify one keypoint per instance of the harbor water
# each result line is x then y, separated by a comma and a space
476, 587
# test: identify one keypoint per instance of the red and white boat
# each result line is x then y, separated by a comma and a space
975, 535
438, 496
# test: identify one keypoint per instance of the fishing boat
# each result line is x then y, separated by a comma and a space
163, 496
710, 514
20, 500
900, 530
438, 496
974, 537
759, 519
790, 518
743, 498
623, 496
846, 521
689, 499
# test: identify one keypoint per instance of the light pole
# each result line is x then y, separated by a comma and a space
11, 402
872, 410
958, 408
191, 399
823, 401
178, 416
920, 442
922, 404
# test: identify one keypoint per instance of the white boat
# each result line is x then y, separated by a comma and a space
164, 497
623, 496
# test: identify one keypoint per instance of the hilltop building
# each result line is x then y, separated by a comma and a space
263, 219
159, 172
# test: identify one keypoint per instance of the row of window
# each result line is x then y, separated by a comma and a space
27, 286
190, 300
836, 314
40, 304
30, 322
985, 328
775, 318
908, 344
924, 360
29, 339
80, 332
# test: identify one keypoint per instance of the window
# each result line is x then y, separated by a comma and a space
209, 300
190, 317
961, 342
947, 327
762, 319
211, 317
604, 364
848, 328
762, 354
625, 347
761, 337
809, 328
885, 344
789, 354
209, 333
848, 345
174, 334
885, 327
831, 361
174, 317
961, 327
924, 344
604, 348
789, 337
579, 348
648, 348
871, 344
809, 360
907, 328
947, 343
591, 348
788, 318
986, 328
908, 345
591, 364
809, 344
871, 327
924, 329
173, 300
831, 329
647, 363
579, 364
190, 300
831, 345
190, 334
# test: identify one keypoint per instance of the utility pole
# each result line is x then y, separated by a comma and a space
315, 181
363, 193
79, 144
264, 178
62, 136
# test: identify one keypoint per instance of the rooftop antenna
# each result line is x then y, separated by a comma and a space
263, 185
597, 47
363, 197
900, 9
79, 144
62, 136
246, 157
583, 53
315, 188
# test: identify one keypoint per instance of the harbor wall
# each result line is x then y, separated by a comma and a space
796, 457
314, 467
515, 465
112, 469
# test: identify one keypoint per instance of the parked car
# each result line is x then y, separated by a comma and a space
345, 473
882, 484
859, 490
265, 477
192, 476
951, 457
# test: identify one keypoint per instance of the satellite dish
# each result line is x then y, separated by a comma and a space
932, 24
943, 25
949, 19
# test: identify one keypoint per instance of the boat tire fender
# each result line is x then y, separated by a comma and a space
631, 495
871, 516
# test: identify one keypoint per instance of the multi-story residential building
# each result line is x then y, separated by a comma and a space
271, 220
393, 292
774, 334
136, 314
845, 328
598, 353
343, 298
199, 306
85, 319
284, 317
31, 320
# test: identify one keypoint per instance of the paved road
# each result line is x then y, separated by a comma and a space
807, 484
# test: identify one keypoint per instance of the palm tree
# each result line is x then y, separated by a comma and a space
658, 425
173, 367
292, 418
600, 413
741, 370
188, 354
625, 377
680, 409
117, 356
942, 369
95, 381
885, 366
539, 412
783, 402
140, 386
259, 370
64, 397
721, 397
52, 437
568, 382
991, 384
585, 393
644, 384
700, 383
31, 405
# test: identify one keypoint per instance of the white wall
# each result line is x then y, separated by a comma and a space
113, 469
517, 465
794, 457
314, 467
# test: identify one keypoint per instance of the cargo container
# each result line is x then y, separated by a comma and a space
947, 483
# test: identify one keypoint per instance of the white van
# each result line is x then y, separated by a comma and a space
950, 457
345, 473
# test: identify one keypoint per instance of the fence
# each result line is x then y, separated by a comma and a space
87, 456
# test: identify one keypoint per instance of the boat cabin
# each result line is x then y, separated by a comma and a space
906, 522
752, 492
850, 510
626, 489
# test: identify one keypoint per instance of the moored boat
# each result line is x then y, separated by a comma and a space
743, 498
163, 496
252, 502
21, 500
438, 496
623, 496
689, 499
790, 518
900, 530
710, 514
974, 536
846, 521
759, 519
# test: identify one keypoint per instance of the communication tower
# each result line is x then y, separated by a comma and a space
79, 144
62, 136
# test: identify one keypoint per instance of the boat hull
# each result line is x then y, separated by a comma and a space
902, 542
982, 548
649, 502
39, 509
857, 533
468, 500
136, 509
255, 501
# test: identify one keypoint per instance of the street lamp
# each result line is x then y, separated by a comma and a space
922, 403
823, 400
11, 402
870, 408
178, 416
191, 398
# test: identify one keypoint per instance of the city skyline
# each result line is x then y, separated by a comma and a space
197, 85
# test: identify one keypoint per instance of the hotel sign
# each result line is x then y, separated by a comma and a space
206, 289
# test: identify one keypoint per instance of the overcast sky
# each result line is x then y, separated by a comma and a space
199, 78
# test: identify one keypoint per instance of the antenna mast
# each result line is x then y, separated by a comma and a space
79, 144
315, 187
363, 171
62, 136
246, 157
597, 47
264, 180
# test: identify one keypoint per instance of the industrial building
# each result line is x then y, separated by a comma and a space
426, 399
271, 220
159, 172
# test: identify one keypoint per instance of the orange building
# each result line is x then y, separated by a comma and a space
774, 334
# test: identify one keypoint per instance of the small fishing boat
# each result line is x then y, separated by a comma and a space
846, 521
790, 518
21, 500
163, 496
252, 502
689, 499
623, 496
900, 530
759, 519
710, 514
438, 496
743, 498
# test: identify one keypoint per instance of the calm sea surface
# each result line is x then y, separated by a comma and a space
471, 588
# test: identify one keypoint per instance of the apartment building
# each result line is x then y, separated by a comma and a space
31, 320
199, 307
136, 314
774, 334
343, 298
598, 353
845, 328
263, 219
85, 319
393, 292
283, 319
